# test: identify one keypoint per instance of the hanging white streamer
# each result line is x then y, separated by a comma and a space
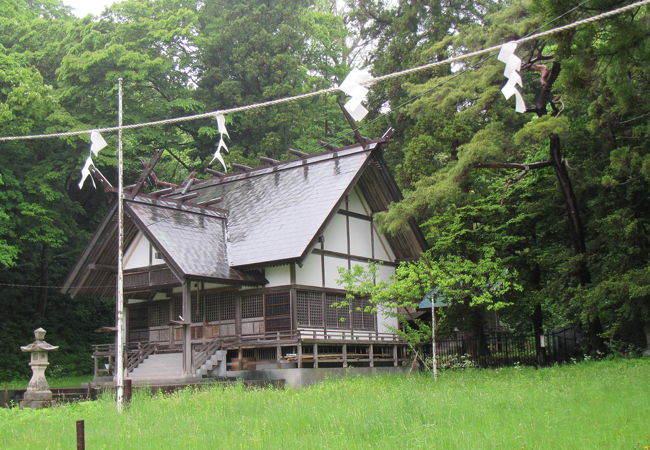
511, 72
221, 126
353, 86
97, 142
85, 172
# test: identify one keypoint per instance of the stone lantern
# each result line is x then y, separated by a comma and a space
38, 394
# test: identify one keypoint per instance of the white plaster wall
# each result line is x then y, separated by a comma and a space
335, 235
310, 273
360, 244
382, 249
137, 255
278, 276
331, 271
357, 204
384, 272
384, 321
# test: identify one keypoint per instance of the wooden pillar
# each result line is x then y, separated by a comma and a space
345, 355
395, 359
278, 353
187, 334
299, 355
315, 355
371, 355
238, 305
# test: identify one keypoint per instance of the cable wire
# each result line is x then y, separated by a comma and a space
333, 89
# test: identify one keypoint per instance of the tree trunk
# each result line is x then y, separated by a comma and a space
576, 231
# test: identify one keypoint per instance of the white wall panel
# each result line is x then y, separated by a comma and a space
382, 249
385, 322
278, 275
332, 265
137, 255
360, 243
310, 273
356, 204
384, 272
336, 235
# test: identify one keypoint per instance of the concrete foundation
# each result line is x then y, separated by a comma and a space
297, 378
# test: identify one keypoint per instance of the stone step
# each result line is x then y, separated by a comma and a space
159, 366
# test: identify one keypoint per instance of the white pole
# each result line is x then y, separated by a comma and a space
434, 361
119, 376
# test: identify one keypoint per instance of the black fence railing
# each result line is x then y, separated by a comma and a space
505, 349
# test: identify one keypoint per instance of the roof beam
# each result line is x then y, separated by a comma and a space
241, 167
188, 183
184, 197
108, 187
355, 127
327, 145
148, 168
216, 173
268, 161
210, 202
165, 191
298, 153
103, 267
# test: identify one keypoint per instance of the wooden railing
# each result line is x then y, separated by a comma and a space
347, 335
149, 277
205, 352
134, 358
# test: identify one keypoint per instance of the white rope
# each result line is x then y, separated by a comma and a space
330, 90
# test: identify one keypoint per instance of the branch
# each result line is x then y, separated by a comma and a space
505, 165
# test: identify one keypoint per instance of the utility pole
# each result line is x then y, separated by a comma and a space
119, 297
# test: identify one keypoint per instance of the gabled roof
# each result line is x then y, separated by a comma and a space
269, 215
192, 240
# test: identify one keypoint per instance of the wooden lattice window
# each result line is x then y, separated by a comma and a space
309, 308
137, 317
362, 320
177, 307
252, 306
218, 307
336, 317
198, 313
158, 313
277, 312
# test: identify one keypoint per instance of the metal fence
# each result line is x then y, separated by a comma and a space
505, 349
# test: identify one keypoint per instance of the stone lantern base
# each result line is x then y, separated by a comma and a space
36, 399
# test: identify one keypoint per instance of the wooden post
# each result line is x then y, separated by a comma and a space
238, 306
187, 334
395, 360
315, 356
81, 438
299, 355
127, 390
371, 355
345, 355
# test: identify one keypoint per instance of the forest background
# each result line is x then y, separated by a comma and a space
544, 215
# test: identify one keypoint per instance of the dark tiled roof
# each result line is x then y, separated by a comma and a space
275, 212
266, 215
193, 242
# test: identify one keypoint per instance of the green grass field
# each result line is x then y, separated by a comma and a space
594, 405
54, 382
